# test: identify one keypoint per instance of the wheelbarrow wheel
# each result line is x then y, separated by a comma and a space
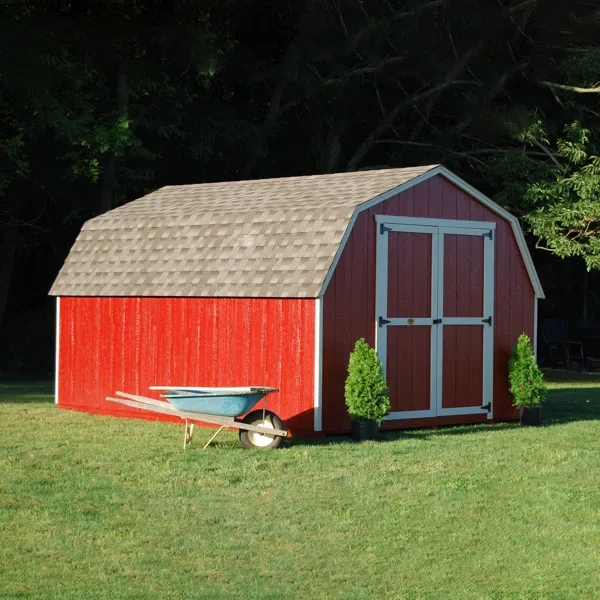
254, 439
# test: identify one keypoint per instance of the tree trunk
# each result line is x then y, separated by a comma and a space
332, 148
257, 144
109, 184
109, 177
9, 249
388, 120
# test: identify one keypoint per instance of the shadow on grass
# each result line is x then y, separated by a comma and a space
572, 404
394, 435
17, 392
576, 399
565, 405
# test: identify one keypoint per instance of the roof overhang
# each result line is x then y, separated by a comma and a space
467, 188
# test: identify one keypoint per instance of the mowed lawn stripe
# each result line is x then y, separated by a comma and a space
111, 508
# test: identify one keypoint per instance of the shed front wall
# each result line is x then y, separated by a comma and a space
128, 344
349, 300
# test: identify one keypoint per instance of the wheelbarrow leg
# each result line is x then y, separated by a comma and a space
188, 433
214, 436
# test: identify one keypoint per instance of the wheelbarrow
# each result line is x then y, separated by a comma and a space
221, 406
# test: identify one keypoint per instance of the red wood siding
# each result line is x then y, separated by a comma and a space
463, 276
128, 344
409, 253
409, 297
462, 364
408, 376
349, 302
462, 349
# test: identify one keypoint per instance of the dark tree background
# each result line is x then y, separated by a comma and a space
103, 101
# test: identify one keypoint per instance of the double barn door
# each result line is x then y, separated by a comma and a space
434, 302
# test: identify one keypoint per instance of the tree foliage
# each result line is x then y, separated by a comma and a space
527, 384
366, 392
103, 101
566, 214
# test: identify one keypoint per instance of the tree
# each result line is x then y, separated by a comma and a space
526, 380
566, 217
366, 393
91, 95
102, 101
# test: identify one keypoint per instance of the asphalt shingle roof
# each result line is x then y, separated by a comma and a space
257, 238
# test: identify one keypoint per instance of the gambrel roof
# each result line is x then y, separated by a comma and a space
258, 238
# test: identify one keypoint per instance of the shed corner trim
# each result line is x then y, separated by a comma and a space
318, 372
57, 350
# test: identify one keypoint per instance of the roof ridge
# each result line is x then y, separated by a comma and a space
288, 178
258, 195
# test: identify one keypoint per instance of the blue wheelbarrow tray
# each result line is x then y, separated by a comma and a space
216, 406
226, 404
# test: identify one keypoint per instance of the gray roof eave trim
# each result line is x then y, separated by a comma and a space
464, 186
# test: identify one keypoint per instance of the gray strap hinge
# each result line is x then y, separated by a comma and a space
489, 234
488, 321
383, 321
383, 228
487, 407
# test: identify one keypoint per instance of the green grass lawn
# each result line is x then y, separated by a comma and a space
97, 507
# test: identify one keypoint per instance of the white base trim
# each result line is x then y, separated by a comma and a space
409, 414
462, 410
57, 350
425, 414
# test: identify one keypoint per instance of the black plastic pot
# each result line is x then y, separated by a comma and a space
530, 415
364, 430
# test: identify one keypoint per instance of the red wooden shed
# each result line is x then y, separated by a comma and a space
271, 282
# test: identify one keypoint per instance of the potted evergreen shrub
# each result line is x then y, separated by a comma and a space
527, 384
366, 392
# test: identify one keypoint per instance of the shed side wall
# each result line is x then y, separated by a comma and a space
349, 301
129, 344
